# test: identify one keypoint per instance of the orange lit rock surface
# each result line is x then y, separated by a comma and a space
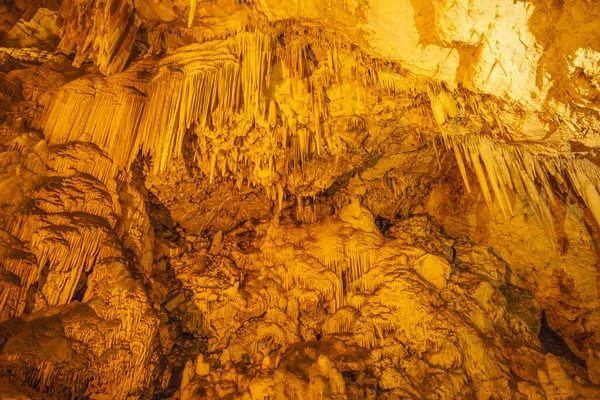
367, 199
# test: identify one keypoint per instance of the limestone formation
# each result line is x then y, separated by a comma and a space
240, 199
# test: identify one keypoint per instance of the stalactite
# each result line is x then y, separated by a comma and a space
280, 195
102, 32
213, 166
64, 158
359, 262
317, 121
341, 321
199, 84
264, 290
18, 271
587, 189
506, 168
58, 240
293, 55
92, 109
69, 253
192, 15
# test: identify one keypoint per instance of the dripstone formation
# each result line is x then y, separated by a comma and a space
275, 199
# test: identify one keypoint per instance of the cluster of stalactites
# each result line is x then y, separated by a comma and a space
18, 271
502, 169
534, 173
285, 144
202, 84
101, 31
63, 239
205, 87
63, 230
341, 267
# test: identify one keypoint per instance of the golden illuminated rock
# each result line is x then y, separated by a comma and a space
368, 199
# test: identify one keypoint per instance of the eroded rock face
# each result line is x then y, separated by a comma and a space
261, 199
